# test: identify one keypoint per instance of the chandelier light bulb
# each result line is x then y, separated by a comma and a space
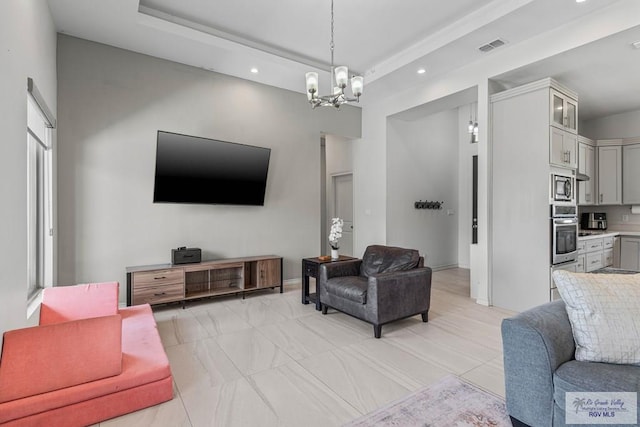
471, 127
475, 129
357, 84
312, 82
342, 76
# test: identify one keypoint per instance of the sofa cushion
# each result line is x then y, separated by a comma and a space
579, 376
383, 259
64, 303
46, 358
603, 311
352, 288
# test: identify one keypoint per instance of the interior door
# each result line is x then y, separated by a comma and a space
343, 208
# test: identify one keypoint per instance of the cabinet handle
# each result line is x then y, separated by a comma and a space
160, 294
159, 278
600, 197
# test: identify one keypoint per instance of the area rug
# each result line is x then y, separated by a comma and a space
450, 402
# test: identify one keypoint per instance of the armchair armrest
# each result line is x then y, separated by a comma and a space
399, 294
339, 269
45, 358
535, 343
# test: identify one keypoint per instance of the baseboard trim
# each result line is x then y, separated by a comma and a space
292, 282
444, 267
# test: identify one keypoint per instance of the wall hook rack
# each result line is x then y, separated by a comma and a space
428, 205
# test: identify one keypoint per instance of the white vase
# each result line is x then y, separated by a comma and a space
334, 255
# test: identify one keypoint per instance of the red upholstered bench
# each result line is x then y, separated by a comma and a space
87, 362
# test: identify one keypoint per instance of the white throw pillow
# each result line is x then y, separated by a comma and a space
604, 311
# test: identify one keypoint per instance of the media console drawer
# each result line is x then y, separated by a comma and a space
158, 294
142, 279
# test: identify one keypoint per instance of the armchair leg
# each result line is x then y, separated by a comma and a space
324, 309
377, 331
425, 316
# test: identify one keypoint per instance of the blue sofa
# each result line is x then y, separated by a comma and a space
540, 367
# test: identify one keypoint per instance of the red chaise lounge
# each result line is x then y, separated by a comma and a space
86, 362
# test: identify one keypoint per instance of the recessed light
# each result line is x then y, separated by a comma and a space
254, 70
580, 1
422, 71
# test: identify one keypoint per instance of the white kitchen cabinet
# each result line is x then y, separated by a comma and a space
593, 261
630, 253
564, 111
563, 148
587, 166
631, 174
610, 175
607, 257
594, 253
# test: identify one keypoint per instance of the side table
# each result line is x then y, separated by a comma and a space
311, 268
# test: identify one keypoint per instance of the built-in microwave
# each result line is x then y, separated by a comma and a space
563, 188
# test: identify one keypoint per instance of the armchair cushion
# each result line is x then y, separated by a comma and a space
353, 288
383, 259
595, 377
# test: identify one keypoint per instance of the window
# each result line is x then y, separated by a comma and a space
39, 194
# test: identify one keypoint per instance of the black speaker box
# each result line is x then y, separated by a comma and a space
186, 255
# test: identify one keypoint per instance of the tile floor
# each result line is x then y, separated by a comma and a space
269, 360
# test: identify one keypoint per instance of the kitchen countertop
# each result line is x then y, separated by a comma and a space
595, 234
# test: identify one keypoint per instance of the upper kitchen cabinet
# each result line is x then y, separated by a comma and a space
586, 167
563, 148
609, 173
564, 111
631, 174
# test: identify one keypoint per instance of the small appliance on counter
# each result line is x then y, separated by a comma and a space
593, 221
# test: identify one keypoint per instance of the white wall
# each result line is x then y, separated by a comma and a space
27, 49
422, 164
112, 102
623, 125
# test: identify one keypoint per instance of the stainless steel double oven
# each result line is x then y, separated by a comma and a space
564, 233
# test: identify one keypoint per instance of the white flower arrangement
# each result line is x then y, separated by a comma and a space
336, 232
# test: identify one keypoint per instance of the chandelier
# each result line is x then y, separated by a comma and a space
339, 79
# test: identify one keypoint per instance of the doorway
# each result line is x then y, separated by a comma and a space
343, 208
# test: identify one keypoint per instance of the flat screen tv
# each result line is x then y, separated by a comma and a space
190, 169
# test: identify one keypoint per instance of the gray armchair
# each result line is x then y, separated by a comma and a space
387, 284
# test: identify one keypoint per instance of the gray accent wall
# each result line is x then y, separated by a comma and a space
111, 104
27, 49
422, 164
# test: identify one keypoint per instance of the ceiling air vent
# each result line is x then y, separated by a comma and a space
492, 45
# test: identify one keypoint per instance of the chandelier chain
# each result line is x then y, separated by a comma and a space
332, 45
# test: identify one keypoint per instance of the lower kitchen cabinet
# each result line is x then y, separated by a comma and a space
594, 254
630, 253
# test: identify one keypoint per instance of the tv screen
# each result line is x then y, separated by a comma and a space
190, 169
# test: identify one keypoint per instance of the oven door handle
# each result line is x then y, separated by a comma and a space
567, 221
567, 188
